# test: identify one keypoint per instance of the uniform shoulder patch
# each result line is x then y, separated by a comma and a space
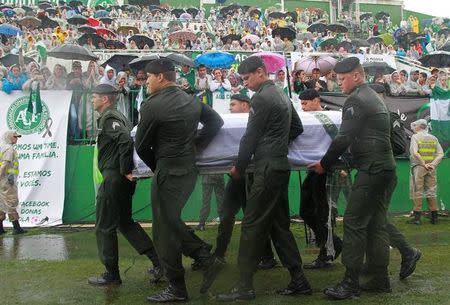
348, 113
115, 124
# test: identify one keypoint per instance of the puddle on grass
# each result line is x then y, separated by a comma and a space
48, 247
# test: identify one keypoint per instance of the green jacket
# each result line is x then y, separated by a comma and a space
272, 123
168, 128
115, 145
365, 129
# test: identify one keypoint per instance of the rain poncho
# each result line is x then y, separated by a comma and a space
9, 165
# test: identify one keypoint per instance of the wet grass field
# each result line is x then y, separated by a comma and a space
51, 266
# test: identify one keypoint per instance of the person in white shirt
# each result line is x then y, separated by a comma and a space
219, 81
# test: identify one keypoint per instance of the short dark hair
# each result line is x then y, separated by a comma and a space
200, 67
171, 76
424, 75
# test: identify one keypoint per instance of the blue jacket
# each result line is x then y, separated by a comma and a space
13, 82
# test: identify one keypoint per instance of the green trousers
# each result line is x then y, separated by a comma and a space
114, 211
365, 220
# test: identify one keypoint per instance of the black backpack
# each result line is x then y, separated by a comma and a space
399, 139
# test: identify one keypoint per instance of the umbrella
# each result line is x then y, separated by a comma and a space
185, 16
177, 12
229, 9
324, 63
273, 61
231, 37
208, 34
277, 15
44, 5
317, 27
183, 35
30, 22
119, 61
337, 28
373, 68
72, 52
420, 39
142, 40
180, 59
19, 10
101, 13
305, 35
387, 38
375, 39
141, 62
411, 36
48, 23
215, 59
288, 33
329, 42
438, 59
193, 11
95, 39
360, 42
8, 12
446, 47
93, 22
381, 15
2, 7
75, 3
106, 20
346, 45
115, 44
365, 16
444, 31
77, 20
13, 59
9, 30
251, 37
51, 11
175, 23
293, 15
124, 29
27, 8
87, 29
105, 31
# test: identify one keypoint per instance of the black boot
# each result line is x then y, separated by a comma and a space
107, 278
318, 263
2, 231
169, 295
267, 263
17, 229
347, 289
243, 291
416, 219
409, 262
434, 217
298, 284
379, 282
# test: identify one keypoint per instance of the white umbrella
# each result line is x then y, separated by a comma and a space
324, 63
253, 38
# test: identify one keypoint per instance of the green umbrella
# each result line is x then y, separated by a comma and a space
329, 42
387, 38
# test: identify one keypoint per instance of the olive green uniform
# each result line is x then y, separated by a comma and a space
272, 123
365, 129
165, 141
114, 199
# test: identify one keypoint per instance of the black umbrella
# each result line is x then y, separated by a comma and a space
30, 22
444, 31
365, 16
6, 6
284, 32
375, 39
293, 15
44, 5
373, 68
12, 59
51, 11
118, 61
106, 20
86, 29
277, 15
229, 9
72, 52
77, 20
27, 8
381, 15
231, 37
439, 59
411, 36
193, 11
177, 12
140, 63
346, 45
180, 59
317, 27
115, 44
337, 28
95, 39
142, 40
360, 42
48, 23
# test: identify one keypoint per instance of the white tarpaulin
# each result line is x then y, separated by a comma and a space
42, 154
310, 146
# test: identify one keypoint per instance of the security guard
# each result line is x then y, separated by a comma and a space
166, 140
365, 128
272, 123
114, 199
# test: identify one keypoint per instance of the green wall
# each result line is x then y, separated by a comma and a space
79, 205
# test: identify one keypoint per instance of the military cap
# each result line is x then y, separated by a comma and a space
104, 89
250, 64
347, 65
378, 88
161, 65
241, 98
308, 94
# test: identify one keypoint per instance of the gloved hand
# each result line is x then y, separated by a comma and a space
11, 179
